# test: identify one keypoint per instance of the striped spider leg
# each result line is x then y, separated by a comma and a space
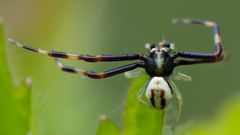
200, 57
89, 58
100, 75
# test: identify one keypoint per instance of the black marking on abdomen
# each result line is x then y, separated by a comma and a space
163, 100
157, 99
152, 99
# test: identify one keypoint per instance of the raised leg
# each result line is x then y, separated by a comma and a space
216, 33
84, 57
100, 75
195, 61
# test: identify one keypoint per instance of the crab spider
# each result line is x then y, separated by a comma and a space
159, 65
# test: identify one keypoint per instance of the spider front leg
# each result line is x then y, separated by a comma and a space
84, 57
195, 61
100, 75
211, 57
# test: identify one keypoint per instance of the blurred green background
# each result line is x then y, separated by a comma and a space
66, 104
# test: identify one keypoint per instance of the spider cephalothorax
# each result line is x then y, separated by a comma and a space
159, 62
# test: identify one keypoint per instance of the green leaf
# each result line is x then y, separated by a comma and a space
107, 127
139, 119
14, 103
5, 81
226, 122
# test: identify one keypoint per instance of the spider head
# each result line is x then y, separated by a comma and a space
159, 62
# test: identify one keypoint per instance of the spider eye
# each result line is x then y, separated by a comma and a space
172, 46
169, 45
150, 46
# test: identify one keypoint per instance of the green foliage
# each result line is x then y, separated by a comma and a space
137, 118
107, 127
226, 122
14, 102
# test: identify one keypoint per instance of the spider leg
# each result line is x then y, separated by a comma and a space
140, 96
181, 76
100, 75
217, 40
84, 57
195, 61
179, 100
135, 73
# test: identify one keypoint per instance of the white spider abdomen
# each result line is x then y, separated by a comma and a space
158, 92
